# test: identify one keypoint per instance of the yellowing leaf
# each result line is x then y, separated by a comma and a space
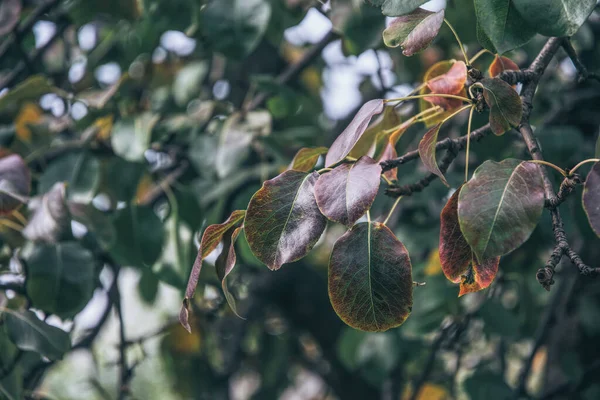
434, 264
30, 114
104, 125
180, 341
145, 185
429, 391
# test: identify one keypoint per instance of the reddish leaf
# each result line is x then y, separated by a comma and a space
452, 82
505, 105
591, 198
15, 183
432, 73
389, 153
427, 152
226, 262
347, 192
344, 143
370, 278
306, 158
283, 222
457, 258
500, 206
414, 31
210, 240
388, 120
501, 64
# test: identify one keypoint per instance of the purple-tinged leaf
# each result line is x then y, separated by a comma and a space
591, 198
427, 152
458, 262
501, 64
505, 105
306, 158
15, 183
210, 240
10, 11
283, 221
500, 206
51, 220
370, 278
414, 31
226, 262
368, 144
344, 143
347, 192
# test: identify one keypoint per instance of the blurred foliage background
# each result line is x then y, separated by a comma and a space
143, 121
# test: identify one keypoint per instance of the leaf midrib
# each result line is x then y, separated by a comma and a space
369, 269
34, 327
290, 213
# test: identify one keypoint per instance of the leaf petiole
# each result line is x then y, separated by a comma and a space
420, 96
549, 164
479, 54
462, 48
575, 168
392, 210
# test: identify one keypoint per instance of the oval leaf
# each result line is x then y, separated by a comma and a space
344, 143
395, 8
368, 142
501, 64
283, 221
591, 198
15, 183
451, 82
81, 172
29, 333
427, 152
347, 192
60, 277
437, 70
370, 278
413, 32
500, 206
505, 105
458, 263
306, 158
555, 17
211, 238
51, 221
502, 25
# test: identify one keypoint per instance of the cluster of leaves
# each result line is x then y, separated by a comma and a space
370, 282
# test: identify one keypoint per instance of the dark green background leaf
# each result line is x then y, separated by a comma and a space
558, 18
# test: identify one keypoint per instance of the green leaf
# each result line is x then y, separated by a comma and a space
80, 171
347, 192
283, 221
394, 8
502, 24
96, 222
500, 206
306, 158
456, 255
597, 154
148, 286
140, 237
51, 221
591, 198
29, 333
498, 320
131, 136
427, 147
555, 17
212, 236
484, 40
188, 82
121, 178
10, 11
15, 183
370, 278
489, 386
60, 277
235, 27
505, 105
225, 264
30, 89
361, 31
413, 32
345, 142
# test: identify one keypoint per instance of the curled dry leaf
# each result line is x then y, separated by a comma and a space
347, 192
458, 261
505, 104
306, 158
344, 143
210, 240
427, 147
370, 278
283, 221
415, 31
591, 198
15, 183
226, 262
500, 206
